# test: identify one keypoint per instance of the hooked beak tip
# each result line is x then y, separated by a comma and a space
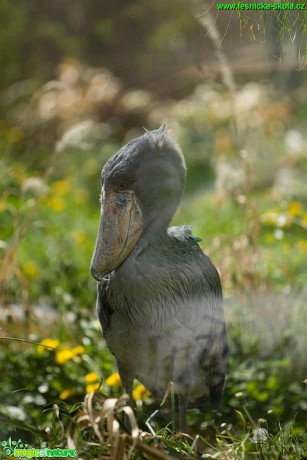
96, 274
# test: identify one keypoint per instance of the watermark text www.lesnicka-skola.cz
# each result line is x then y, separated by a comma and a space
259, 6
18, 449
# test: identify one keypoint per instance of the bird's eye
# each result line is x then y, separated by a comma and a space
122, 186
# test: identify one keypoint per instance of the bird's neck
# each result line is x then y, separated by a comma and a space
159, 221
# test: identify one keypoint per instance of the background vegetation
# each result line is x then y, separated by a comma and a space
79, 80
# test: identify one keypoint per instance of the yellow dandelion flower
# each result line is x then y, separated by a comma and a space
79, 350
92, 377
55, 203
64, 355
269, 217
92, 387
61, 187
53, 343
295, 208
302, 246
80, 237
3, 206
31, 269
113, 380
65, 394
68, 353
140, 392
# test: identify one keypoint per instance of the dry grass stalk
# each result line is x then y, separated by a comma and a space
102, 416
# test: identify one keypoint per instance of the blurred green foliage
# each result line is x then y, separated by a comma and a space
132, 43
141, 43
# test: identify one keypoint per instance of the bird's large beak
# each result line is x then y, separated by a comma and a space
119, 230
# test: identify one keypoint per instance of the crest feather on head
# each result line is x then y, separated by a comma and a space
163, 138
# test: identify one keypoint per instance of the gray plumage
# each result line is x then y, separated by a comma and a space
161, 308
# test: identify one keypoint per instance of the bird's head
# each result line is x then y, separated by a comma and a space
141, 187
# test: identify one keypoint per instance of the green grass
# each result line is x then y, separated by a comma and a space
267, 365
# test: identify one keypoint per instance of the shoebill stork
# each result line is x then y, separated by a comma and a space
159, 296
